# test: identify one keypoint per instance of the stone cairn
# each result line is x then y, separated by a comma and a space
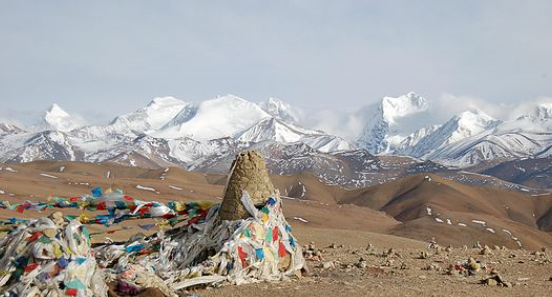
248, 173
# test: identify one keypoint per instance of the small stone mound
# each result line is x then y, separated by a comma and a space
248, 173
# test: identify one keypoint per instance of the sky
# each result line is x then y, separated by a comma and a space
104, 58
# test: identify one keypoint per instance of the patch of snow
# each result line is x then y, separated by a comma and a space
61, 169
438, 220
140, 187
48, 175
9, 169
479, 222
490, 230
175, 188
462, 225
300, 219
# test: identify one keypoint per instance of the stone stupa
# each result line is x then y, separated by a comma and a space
248, 173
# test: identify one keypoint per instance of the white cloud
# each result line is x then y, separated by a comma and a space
344, 124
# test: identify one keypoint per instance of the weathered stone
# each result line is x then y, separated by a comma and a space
249, 174
361, 264
486, 251
328, 265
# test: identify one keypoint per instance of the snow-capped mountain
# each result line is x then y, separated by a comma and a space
166, 131
45, 145
169, 131
526, 136
389, 123
272, 129
220, 117
466, 139
467, 124
150, 118
282, 111
6, 128
55, 118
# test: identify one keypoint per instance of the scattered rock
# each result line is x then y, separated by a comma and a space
361, 263
433, 243
370, 248
311, 253
486, 251
494, 279
327, 265
432, 267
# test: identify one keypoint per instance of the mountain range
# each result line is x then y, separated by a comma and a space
201, 135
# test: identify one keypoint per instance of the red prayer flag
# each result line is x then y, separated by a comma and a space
31, 267
101, 206
281, 250
242, 255
35, 236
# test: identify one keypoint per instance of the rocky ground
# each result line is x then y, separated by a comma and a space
368, 264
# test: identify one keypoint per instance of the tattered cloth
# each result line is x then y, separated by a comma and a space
40, 258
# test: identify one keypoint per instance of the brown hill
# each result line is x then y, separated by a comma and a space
430, 206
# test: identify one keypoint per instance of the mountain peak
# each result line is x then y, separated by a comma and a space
281, 110
9, 128
155, 115
396, 107
474, 113
220, 117
229, 97
165, 101
56, 118
56, 111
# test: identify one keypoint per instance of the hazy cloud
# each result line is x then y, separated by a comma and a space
316, 54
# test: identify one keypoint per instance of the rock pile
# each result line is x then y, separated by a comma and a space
311, 253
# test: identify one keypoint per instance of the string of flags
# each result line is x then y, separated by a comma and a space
119, 207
